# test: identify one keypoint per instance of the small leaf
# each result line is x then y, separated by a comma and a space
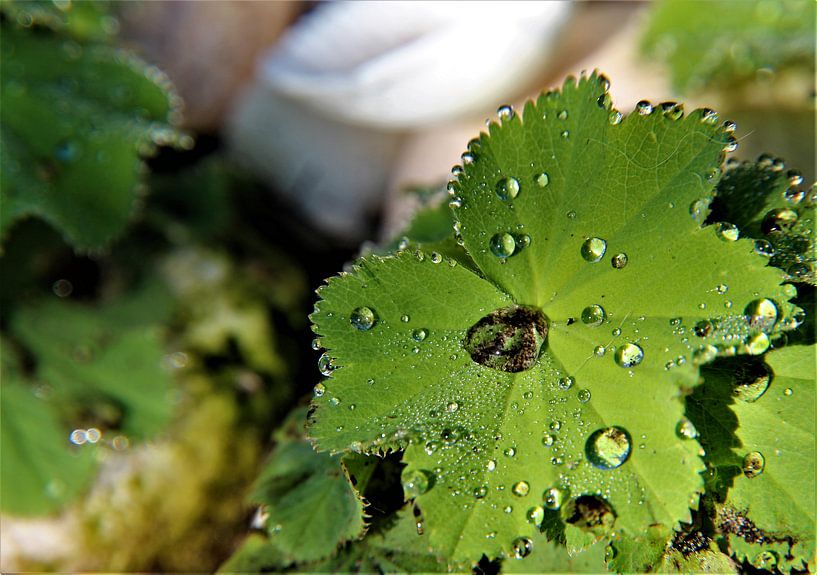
311, 506
41, 470
74, 122
776, 491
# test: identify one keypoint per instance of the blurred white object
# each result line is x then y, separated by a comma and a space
405, 64
343, 86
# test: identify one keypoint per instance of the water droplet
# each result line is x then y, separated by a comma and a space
727, 232
571, 215
415, 482
405, 318
335, 402
507, 189
535, 515
326, 365
78, 437
548, 440
565, 383
510, 451
363, 318
435, 257
503, 245
542, 180
62, 288
686, 429
709, 117
788, 392
615, 117
505, 112
698, 210
507, 339
751, 381
593, 249
419, 334
762, 314
554, 497
555, 425
731, 144
565, 134
757, 343
521, 547
616, 332
562, 115
480, 492
618, 261
778, 220
319, 390
599, 351
703, 328
583, 395
452, 407
608, 448
521, 488
604, 101
491, 464
593, 315
629, 355
643, 108
753, 464
721, 289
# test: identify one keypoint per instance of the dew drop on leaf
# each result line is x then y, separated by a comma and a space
593, 315
319, 390
548, 440
562, 115
727, 232
521, 547
326, 365
762, 314
363, 318
507, 339
599, 351
554, 497
505, 112
686, 429
480, 492
703, 328
542, 180
502, 245
753, 464
565, 383
593, 249
507, 189
757, 343
608, 448
419, 334
614, 118
643, 108
415, 483
535, 515
583, 395
405, 318
629, 355
781, 219
436, 257
520, 488
619, 260
751, 381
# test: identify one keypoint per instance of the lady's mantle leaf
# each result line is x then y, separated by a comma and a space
75, 119
585, 221
776, 491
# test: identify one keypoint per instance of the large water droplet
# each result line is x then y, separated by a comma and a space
727, 232
535, 515
326, 365
419, 334
753, 464
629, 355
757, 343
643, 108
415, 482
593, 249
521, 488
507, 189
521, 547
554, 497
762, 314
593, 315
507, 339
505, 112
583, 395
503, 245
363, 318
565, 383
686, 429
608, 448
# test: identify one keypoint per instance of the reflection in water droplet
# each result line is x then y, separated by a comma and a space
750, 381
505, 112
326, 365
542, 180
319, 390
480, 492
502, 245
554, 497
686, 429
778, 220
599, 351
415, 482
565, 383
629, 355
521, 488
615, 117
419, 334
643, 108
535, 515
762, 314
583, 395
727, 232
593, 249
753, 464
507, 189
593, 315
608, 448
507, 339
548, 440
757, 344
521, 547
363, 318
619, 261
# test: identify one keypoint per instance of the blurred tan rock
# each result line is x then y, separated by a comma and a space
208, 49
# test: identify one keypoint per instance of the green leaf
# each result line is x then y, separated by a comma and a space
431, 357
639, 554
727, 42
41, 471
550, 557
777, 490
772, 207
103, 372
256, 554
74, 122
310, 503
